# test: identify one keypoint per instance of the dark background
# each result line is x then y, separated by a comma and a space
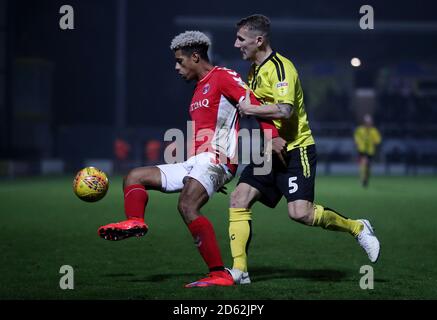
61, 95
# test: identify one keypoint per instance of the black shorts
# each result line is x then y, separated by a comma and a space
296, 182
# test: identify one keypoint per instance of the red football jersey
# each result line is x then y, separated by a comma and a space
214, 113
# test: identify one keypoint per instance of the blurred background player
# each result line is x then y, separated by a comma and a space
121, 151
152, 152
213, 107
367, 138
275, 82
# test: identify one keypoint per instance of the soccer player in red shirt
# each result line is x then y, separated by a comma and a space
216, 122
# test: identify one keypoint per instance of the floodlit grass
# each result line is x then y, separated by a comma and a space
44, 226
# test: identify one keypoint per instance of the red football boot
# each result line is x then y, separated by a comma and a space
123, 229
214, 278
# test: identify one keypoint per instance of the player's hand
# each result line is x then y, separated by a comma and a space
279, 148
245, 105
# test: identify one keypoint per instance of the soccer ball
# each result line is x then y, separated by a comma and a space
90, 184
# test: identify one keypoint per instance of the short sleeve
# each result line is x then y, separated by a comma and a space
234, 88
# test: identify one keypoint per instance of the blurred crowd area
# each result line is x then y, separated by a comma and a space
402, 100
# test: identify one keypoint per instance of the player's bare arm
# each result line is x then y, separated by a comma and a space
270, 111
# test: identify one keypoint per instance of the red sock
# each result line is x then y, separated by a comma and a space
135, 201
205, 240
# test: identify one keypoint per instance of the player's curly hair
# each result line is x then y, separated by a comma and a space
192, 41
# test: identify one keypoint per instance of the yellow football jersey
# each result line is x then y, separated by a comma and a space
276, 81
366, 139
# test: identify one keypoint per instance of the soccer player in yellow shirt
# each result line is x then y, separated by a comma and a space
275, 82
367, 138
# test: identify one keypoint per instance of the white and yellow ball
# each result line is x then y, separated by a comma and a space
90, 184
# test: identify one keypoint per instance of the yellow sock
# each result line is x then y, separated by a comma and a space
331, 220
239, 235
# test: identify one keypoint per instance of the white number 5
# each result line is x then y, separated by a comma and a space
292, 185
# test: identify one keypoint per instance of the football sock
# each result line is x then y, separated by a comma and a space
135, 201
204, 238
362, 169
240, 235
364, 173
332, 220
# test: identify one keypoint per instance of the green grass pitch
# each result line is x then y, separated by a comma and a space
44, 226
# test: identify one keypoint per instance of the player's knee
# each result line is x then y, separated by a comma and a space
145, 176
238, 199
300, 214
134, 177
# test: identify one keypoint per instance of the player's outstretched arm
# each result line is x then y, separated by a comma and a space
269, 111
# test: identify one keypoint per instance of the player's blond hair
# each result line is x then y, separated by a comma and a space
189, 39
